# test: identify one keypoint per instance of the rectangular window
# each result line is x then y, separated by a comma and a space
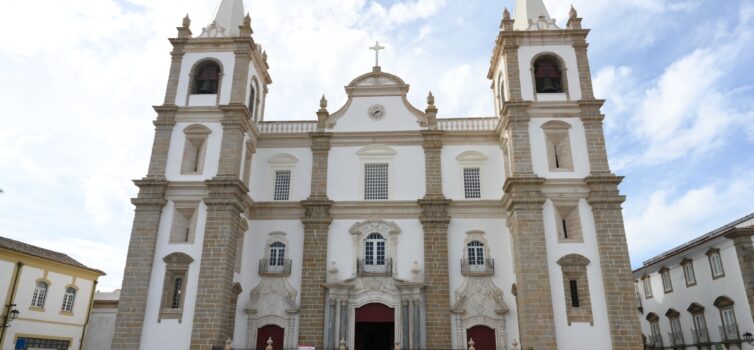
716, 265
184, 224
688, 271
472, 187
282, 185
647, 287
655, 326
568, 223
376, 181
700, 324
574, 293
729, 318
175, 298
667, 283
193, 155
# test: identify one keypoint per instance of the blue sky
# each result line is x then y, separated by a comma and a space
81, 77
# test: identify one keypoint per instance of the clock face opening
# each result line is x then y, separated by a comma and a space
376, 112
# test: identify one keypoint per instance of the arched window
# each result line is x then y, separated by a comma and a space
40, 293
476, 253
547, 75
206, 78
252, 100
374, 250
68, 298
277, 254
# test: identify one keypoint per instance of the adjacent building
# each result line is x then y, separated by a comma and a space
99, 330
379, 224
700, 295
46, 294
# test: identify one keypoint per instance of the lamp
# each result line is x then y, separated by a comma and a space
748, 337
12, 315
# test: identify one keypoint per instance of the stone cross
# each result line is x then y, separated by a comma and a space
377, 49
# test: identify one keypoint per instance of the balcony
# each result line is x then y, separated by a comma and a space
374, 267
487, 268
279, 270
729, 333
654, 341
676, 340
701, 337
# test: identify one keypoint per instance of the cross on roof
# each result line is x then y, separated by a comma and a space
377, 49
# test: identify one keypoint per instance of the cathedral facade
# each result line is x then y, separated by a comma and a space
379, 225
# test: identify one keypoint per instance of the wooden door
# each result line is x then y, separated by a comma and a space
267, 332
484, 337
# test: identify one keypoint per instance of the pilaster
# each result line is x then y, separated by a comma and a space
510, 52
138, 270
176, 60
225, 202
163, 133
516, 129
235, 124
435, 220
523, 202
592, 118
582, 64
316, 222
745, 251
240, 71
605, 200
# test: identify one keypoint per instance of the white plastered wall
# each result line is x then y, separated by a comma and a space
491, 171
211, 153
263, 173
572, 336
577, 138
169, 334
567, 54
227, 60
499, 242
406, 174
397, 116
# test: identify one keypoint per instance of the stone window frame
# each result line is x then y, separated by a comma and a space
647, 284
667, 281
674, 316
254, 93
376, 154
388, 229
63, 309
192, 72
574, 267
282, 162
563, 73
560, 130
696, 309
688, 265
177, 264
35, 304
195, 133
478, 236
472, 159
179, 207
270, 270
573, 224
501, 90
710, 257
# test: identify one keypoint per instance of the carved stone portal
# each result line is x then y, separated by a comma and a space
478, 301
273, 302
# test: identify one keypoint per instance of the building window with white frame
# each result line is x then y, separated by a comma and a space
472, 185
376, 181
174, 285
277, 254
282, 185
476, 253
374, 250
699, 333
40, 294
647, 281
68, 298
716, 264
688, 272
667, 283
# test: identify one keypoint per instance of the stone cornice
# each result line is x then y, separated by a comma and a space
604, 189
397, 138
740, 234
523, 192
347, 210
228, 191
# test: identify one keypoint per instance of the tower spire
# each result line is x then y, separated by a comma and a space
228, 17
529, 13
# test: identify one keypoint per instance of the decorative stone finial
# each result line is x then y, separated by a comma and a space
244, 30
323, 105
186, 21
573, 13
507, 23
471, 344
247, 20
506, 14
430, 99
264, 56
184, 31
431, 112
342, 341
322, 115
574, 22
269, 344
227, 344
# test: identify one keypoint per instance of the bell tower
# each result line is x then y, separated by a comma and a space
193, 205
573, 275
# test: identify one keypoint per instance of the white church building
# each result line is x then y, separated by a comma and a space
379, 225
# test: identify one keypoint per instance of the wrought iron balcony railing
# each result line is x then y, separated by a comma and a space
476, 267
676, 339
374, 267
700, 336
729, 333
654, 341
274, 267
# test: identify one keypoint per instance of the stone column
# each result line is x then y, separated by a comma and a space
138, 271
316, 222
745, 251
605, 201
435, 219
523, 203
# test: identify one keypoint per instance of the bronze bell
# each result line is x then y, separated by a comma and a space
549, 86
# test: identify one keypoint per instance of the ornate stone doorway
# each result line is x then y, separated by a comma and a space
375, 327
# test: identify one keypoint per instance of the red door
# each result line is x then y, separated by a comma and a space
484, 337
267, 332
